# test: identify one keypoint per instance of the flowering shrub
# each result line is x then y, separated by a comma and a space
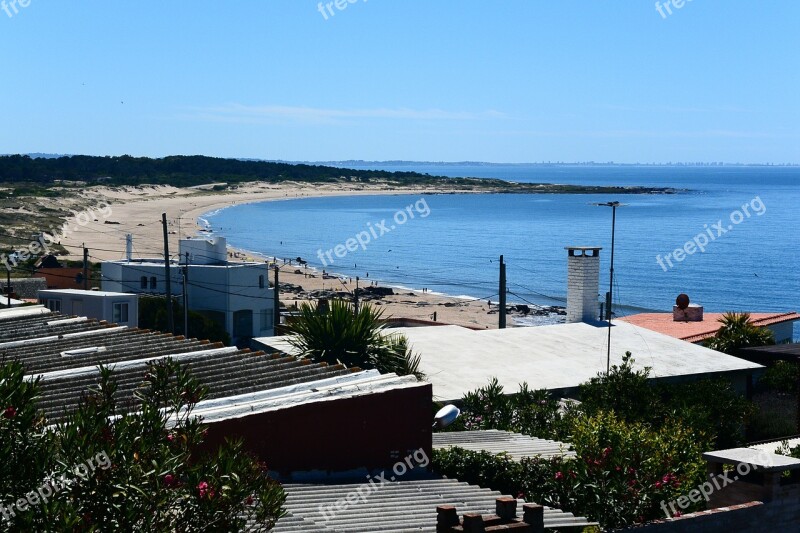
620, 475
637, 444
26, 448
156, 479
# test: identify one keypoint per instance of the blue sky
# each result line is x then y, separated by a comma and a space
443, 80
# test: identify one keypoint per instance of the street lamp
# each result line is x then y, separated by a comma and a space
610, 298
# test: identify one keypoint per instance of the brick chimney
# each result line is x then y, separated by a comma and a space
685, 311
583, 283
504, 519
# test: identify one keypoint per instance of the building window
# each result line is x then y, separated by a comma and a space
54, 305
243, 324
267, 319
120, 313
144, 282
261, 281
153, 283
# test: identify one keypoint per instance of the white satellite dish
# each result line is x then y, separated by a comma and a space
446, 416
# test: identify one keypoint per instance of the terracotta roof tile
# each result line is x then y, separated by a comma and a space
700, 331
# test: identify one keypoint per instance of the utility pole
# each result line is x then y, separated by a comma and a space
85, 268
170, 318
355, 297
502, 293
8, 286
186, 297
276, 296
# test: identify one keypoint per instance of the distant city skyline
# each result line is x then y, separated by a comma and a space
517, 82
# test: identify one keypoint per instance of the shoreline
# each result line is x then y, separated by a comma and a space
484, 313
137, 210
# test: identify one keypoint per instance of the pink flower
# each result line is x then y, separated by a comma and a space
202, 489
559, 476
169, 480
10, 412
249, 500
170, 437
658, 484
606, 452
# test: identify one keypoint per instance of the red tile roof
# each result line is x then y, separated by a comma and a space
700, 331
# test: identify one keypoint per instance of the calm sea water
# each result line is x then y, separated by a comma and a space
752, 266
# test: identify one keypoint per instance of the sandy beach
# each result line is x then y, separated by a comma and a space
137, 210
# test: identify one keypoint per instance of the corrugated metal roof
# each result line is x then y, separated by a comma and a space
493, 441
396, 506
65, 353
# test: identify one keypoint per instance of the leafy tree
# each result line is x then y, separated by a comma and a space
738, 332
153, 315
106, 470
340, 335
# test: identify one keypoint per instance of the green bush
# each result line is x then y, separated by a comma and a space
127, 472
620, 476
782, 376
340, 335
623, 390
637, 444
535, 413
737, 332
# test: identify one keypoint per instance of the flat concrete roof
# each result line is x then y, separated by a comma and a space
762, 460
78, 292
458, 360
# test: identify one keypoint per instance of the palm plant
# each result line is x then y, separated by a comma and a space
738, 332
355, 339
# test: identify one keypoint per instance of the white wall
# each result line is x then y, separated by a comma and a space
92, 305
220, 289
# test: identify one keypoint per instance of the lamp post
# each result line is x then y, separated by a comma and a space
610, 299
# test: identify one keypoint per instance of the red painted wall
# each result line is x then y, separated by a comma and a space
60, 278
373, 431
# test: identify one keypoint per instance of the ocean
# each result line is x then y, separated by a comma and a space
734, 229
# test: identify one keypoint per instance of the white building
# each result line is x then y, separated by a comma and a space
235, 295
117, 308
